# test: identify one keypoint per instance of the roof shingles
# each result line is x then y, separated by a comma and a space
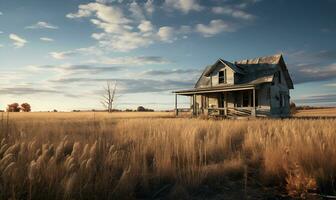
251, 71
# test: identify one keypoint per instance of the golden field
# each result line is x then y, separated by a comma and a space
322, 112
157, 156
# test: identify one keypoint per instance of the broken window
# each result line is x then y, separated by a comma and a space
222, 76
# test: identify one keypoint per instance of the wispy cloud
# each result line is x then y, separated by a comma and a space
100, 59
62, 54
330, 85
214, 27
25, 91
131, 61
311, 66
42, 25
184, 5
77, 69
233, 12
1, 13
170, 72
46, 39
312, 72
18, 41
132, 85
322, 99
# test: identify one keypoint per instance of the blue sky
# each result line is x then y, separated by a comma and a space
59, 54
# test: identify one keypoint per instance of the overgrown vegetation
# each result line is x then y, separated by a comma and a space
107, 158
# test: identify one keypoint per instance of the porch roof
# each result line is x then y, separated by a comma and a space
216, 89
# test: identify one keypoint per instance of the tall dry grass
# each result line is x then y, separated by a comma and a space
166, 158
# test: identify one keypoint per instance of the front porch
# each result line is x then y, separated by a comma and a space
228, 102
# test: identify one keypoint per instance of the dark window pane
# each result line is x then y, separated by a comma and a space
221, 77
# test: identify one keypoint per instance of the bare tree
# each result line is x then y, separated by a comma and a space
108, 96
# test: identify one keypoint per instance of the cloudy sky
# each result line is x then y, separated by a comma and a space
59, 54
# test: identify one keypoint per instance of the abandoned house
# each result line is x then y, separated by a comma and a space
254, 87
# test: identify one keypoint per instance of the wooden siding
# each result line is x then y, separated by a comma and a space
229, 76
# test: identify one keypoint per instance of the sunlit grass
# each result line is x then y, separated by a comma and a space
81, 157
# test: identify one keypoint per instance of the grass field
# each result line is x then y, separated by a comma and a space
157, 156
323, 112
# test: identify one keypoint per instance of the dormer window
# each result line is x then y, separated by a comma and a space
222, 76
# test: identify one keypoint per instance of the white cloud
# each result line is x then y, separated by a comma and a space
215, 27
145, 26
46, 39
233, 12
108, 14
110, 19
126, 41
166, 34
18, 41
183, 5
121, 33
1, 45
131, 61
330, 85
42, 25
109, 1
136, 11
1, 32
1, 13
60, 55
149, 7
118, 32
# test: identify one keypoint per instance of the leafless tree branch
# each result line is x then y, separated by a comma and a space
108, 96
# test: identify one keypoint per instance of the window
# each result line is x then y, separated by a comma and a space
279, 76
222, 76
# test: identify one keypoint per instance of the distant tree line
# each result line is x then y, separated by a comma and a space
143, 109
312, 107
15, 107
139, 109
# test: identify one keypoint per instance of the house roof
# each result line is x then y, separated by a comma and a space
257, 70
274, 59
234, 67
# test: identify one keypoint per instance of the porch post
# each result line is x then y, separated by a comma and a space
176, 110
225, 103
253, 113
194, 105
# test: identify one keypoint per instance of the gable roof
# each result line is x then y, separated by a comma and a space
234, 67
257, 70
274, 59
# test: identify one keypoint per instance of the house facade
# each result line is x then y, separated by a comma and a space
254, 87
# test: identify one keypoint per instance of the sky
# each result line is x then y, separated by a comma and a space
59, 54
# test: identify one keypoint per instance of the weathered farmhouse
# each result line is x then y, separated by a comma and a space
255, 87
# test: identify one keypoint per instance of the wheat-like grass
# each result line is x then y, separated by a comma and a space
145, 158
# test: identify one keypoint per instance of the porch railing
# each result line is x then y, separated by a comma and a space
231, 111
